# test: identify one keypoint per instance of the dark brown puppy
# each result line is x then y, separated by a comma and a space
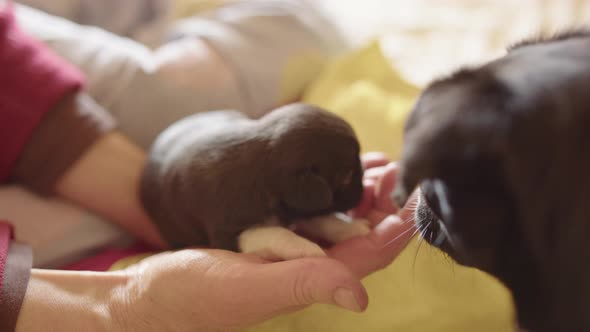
502, 155
210, 176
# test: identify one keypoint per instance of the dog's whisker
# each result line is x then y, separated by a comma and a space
423, 227
402, 234
421, 230
420, 241
416, 232
408, 223
410, 218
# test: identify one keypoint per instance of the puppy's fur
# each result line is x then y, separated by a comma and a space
213, 175
502, 155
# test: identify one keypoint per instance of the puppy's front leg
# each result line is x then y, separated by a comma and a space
277, 243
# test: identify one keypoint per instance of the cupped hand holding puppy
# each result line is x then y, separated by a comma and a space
210, 290
217, 290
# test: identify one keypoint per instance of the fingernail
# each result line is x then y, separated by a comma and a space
346, 299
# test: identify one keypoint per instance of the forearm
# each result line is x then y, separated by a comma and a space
72, 301
76, 153
52, 131
106, 180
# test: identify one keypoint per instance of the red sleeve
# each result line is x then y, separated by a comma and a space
15, 265
5, 238
32, 81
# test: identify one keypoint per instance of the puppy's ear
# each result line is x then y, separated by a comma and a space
307, 192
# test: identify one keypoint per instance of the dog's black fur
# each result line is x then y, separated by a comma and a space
502, 155
210, 176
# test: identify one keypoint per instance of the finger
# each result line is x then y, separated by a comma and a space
282, 286
374, 173
375, 217
383, 188
367, 200
367, 254
383, 205
373, 159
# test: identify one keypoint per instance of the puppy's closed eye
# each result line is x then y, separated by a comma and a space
307, 192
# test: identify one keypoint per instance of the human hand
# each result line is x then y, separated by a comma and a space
217, 290
188, 290
366, 244
221, 290
379, 181
364, 249
392, 228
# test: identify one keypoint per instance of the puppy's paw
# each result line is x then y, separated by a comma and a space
334, 228
277, 243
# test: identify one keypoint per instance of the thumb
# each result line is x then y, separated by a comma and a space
300, 282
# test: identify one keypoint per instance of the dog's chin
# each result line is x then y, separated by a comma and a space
458, 246
429, 225
431, 229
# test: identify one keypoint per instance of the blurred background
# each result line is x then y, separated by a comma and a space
150, 62
427, 38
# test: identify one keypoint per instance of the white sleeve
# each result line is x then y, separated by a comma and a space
124, 18
249, 56
145, 90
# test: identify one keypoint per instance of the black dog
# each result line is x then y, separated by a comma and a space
502, 155
213, 175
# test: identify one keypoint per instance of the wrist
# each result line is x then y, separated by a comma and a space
73, 301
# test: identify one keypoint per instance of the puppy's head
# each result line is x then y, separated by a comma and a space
315, 158
501, 154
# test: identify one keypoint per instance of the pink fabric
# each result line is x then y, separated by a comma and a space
5, 236
32, 80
